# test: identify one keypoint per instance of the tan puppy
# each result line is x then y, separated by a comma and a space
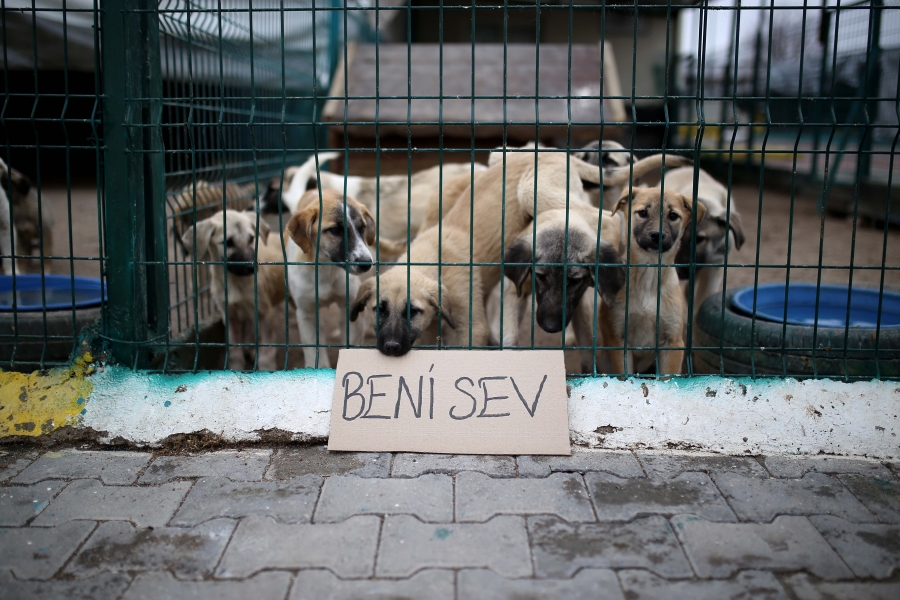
405, 313
392, 198
337, 236
32, 221
720, 229
228, 240
653, 241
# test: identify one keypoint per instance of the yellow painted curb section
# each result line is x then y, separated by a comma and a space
36, 404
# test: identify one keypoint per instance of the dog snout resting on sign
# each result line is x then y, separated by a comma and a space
229, 240
336, 233
720, 232
403, 313
653, 227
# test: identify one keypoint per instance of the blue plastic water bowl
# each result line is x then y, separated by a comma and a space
832, 305
50, 292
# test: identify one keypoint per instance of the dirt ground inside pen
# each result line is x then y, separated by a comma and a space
771, 242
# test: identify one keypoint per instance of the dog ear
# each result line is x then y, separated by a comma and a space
737, 228
610, 279
689, 205
370, 225
520, 251
362, 298
205, 230
445, 312
622, 204
301, 227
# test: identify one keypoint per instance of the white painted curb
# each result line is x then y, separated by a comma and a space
706, 413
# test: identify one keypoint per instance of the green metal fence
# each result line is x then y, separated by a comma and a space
134, 120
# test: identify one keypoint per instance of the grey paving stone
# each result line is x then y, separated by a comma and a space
112, 468
190, 553
621, 464
479, 497
288, 501
317, 460
347, 548
408, 545
718, 550
870, 550
880, 496
663, 465
39, 552
108, 586
13, 460
429, 497
618, 499
797, 466
815, 494
264, 586
322, 585
236, 465
413, 465
560, 549
90, 499
745, 585
806, 587
18, 504
589, 584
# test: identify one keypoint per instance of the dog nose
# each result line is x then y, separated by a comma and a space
363, 267
654, 237
392, 348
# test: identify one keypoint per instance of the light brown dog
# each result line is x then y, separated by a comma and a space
409, 313
228, 240
721, 229
654, 238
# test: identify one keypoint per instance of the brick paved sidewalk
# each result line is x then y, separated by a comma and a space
299, 522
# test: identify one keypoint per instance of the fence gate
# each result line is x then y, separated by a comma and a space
135, 120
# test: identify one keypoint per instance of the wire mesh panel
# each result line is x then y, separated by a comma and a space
658, 188
51, 208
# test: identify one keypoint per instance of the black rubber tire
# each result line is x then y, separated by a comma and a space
35, 344
771, 349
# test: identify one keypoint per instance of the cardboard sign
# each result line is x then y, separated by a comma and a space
451, 402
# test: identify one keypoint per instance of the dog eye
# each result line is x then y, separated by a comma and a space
229, 242
383, 308
643, 213
337, 230
414, 312
674, 216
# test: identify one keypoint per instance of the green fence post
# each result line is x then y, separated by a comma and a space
133, 179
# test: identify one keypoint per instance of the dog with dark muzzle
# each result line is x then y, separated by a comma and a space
228, 240
435, 304
536, 259
334, 231
652, 227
